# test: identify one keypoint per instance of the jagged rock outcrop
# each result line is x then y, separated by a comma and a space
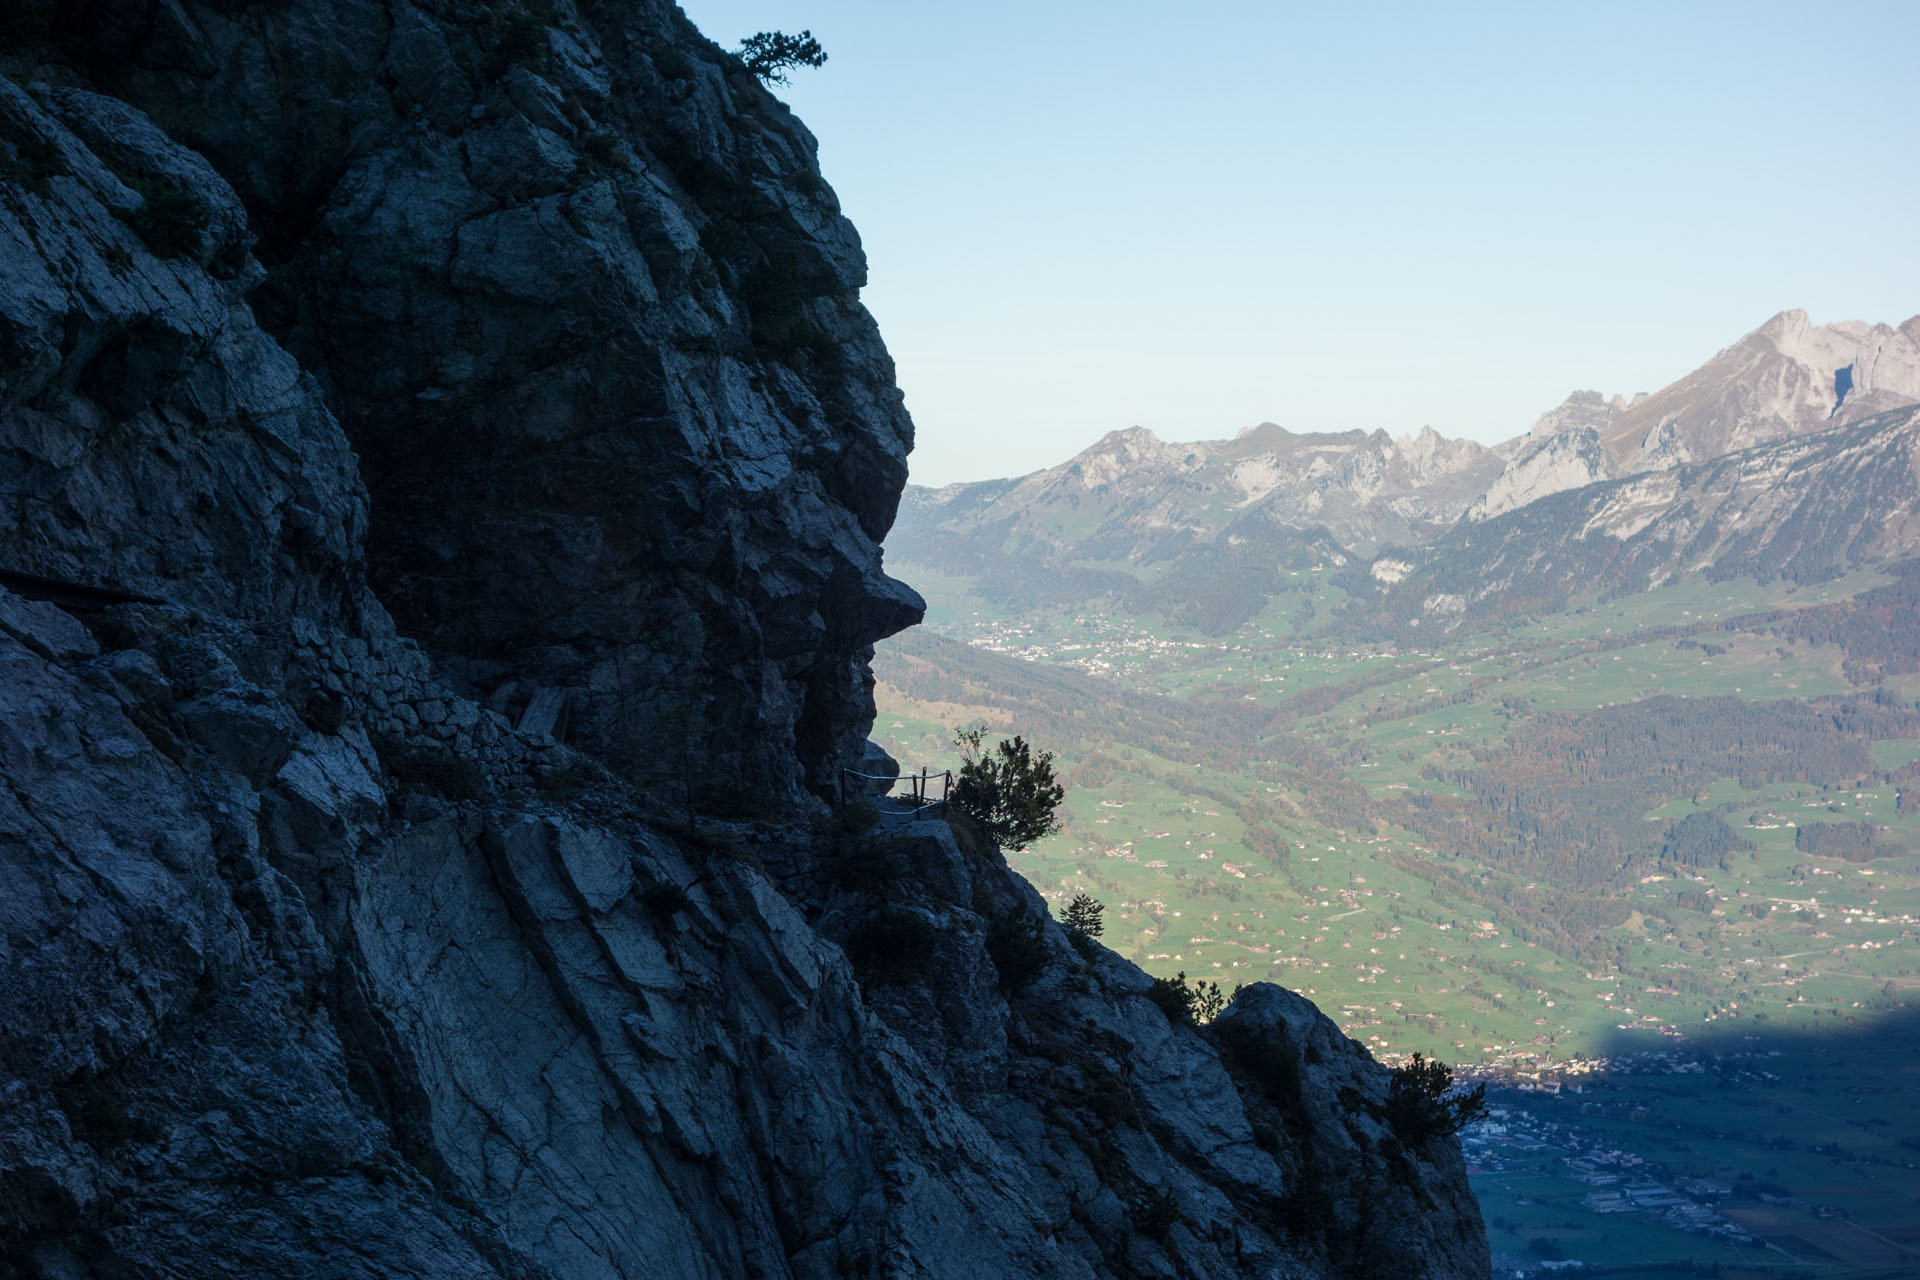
1580, 411
1432, 459
311, 961
1565, 459
156, 438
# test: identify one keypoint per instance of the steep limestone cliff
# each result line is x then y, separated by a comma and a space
1566, 459
536, 324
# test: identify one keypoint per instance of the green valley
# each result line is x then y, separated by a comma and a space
1338, 818
1579, 857
1604, 789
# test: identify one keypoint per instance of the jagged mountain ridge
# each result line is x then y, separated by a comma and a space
1200, 532
319, 954
1132, 493
1808, 507
1787, 377
1205, 533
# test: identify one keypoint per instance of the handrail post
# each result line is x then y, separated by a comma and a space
917, 784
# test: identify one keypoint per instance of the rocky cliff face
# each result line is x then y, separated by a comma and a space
575, 289
1567, 457
319, 955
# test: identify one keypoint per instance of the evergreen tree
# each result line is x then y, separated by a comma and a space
1083, 915
1008, 790
771, 54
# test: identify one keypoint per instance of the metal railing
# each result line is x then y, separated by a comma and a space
921, 784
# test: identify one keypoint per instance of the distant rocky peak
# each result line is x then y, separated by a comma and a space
1430, 456
1785, 378
1130, 438
1568, 459
1580, 409
1420, 450
1851, 350
1119, 455
1782, 326
1794, 375
1421, 443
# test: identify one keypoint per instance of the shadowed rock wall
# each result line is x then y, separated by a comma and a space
572, 282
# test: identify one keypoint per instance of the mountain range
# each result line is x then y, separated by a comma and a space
1806, 508
1786, 378
1792, 447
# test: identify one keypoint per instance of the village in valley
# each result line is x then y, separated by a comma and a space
1722, 1155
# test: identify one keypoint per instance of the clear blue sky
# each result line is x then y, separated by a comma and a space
1196, 218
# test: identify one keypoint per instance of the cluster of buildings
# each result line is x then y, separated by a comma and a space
1621, 1188
1618, 1181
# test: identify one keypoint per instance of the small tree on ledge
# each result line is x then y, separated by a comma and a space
771, 54
1084, 924
1084, 915
1419, 1107
1008, 790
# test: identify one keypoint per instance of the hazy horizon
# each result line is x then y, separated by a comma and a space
1080, 220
